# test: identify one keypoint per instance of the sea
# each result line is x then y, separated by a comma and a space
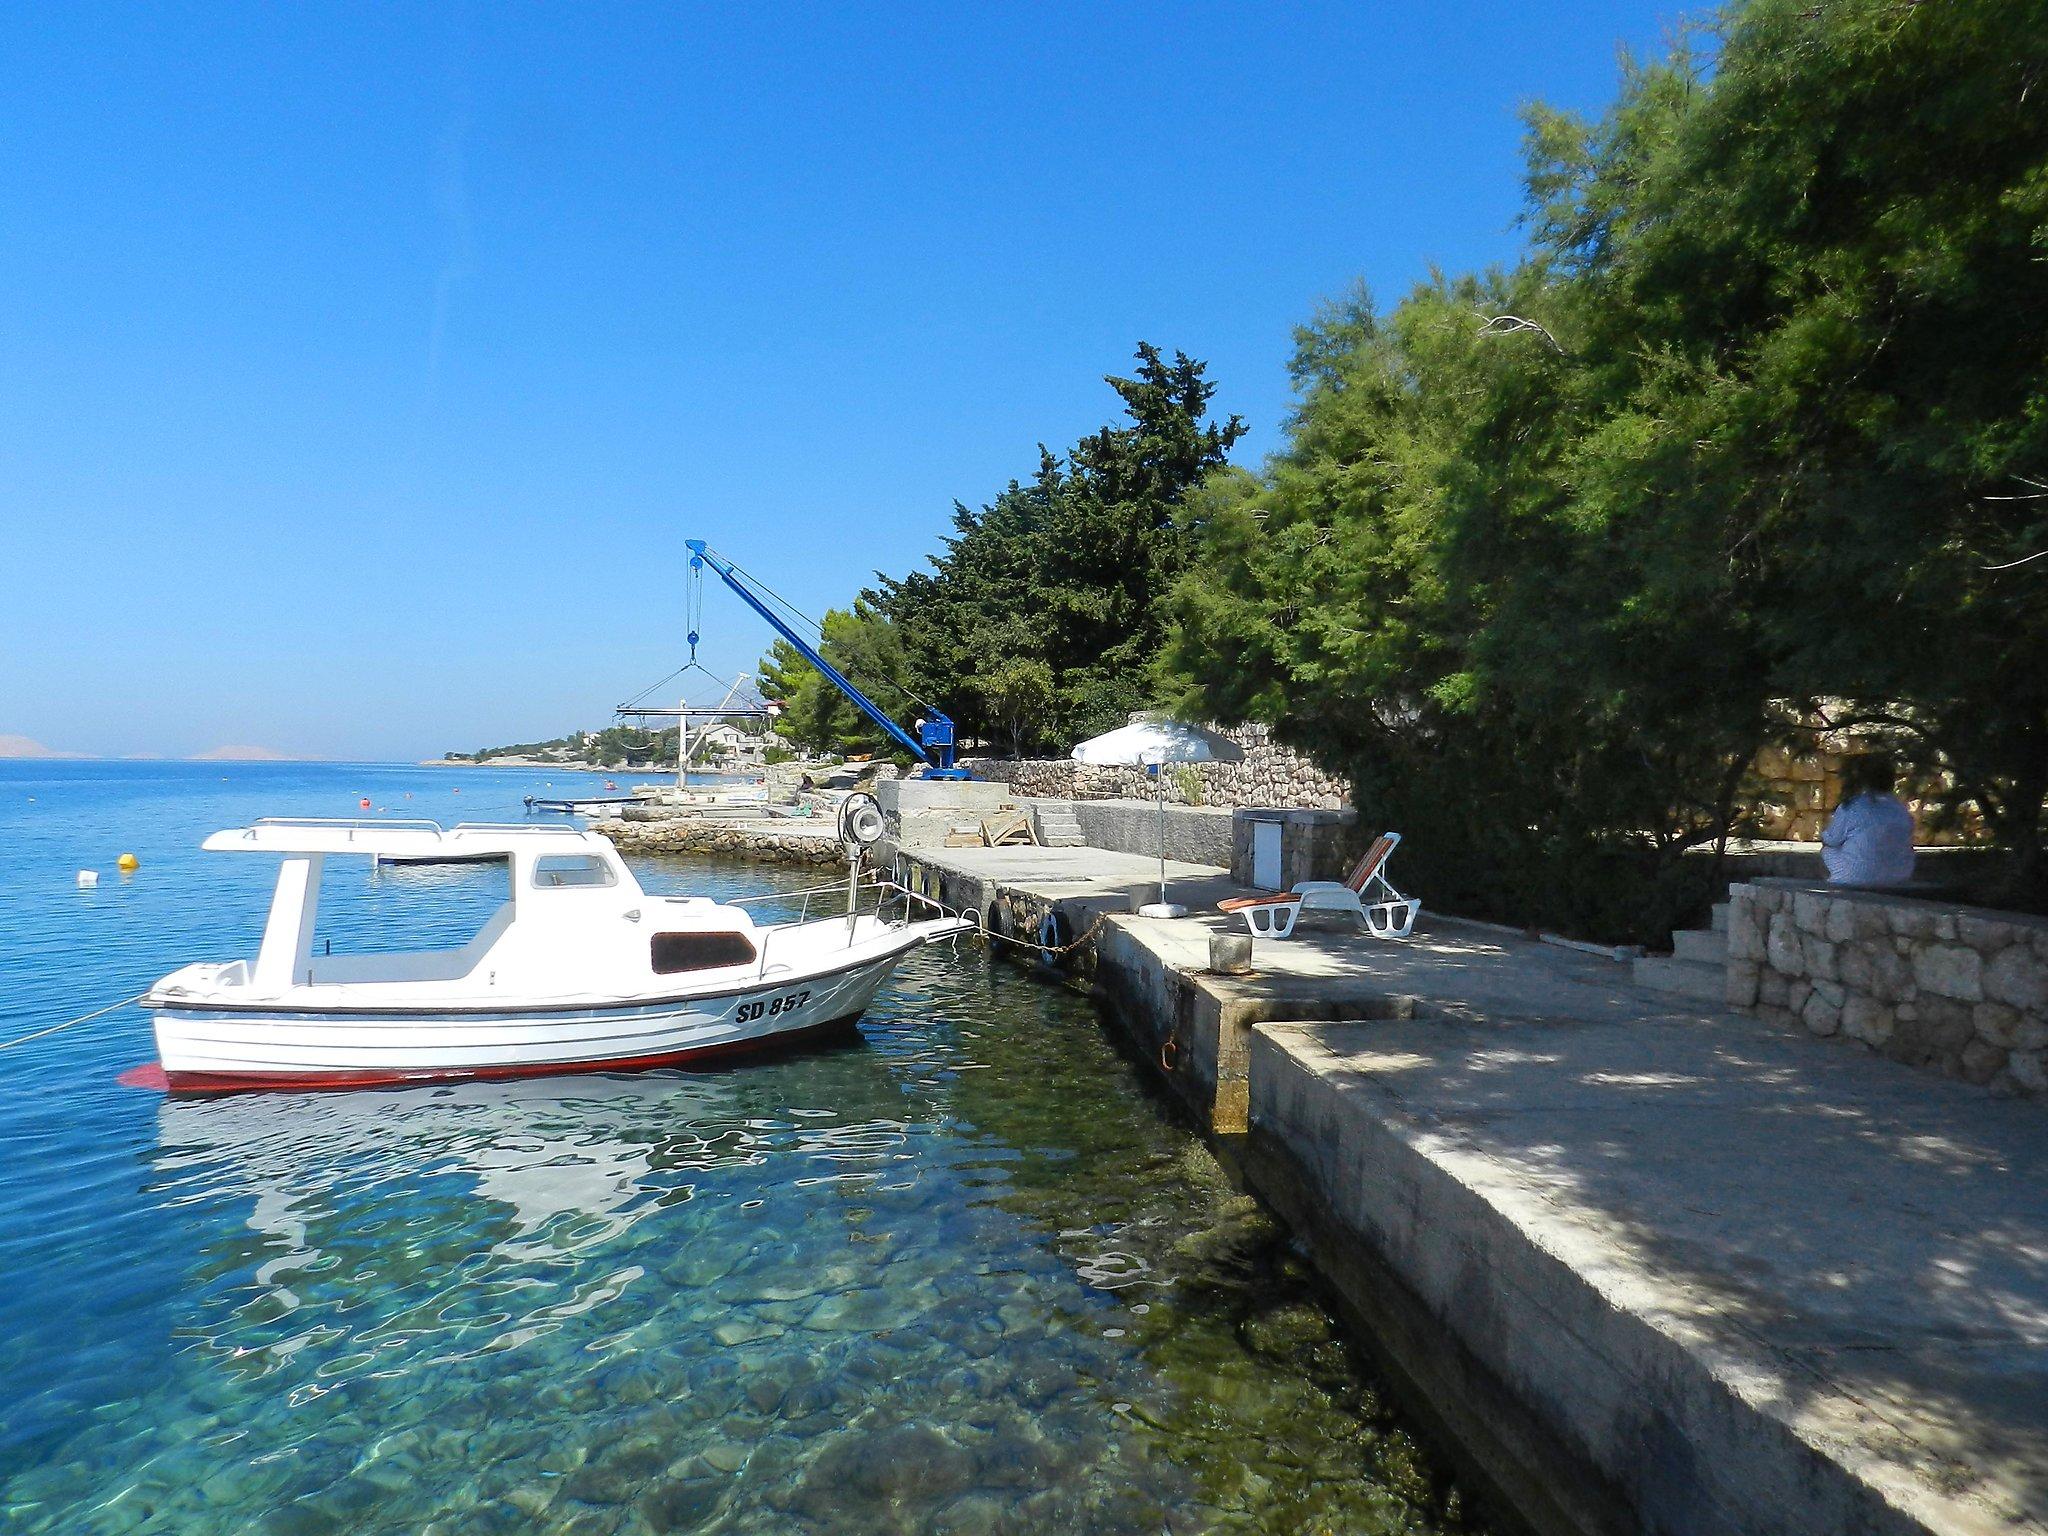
967, 1272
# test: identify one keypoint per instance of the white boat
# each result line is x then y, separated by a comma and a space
580, 971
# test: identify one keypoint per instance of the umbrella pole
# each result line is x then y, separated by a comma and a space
1161, 787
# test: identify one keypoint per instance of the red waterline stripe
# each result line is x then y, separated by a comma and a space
152, 1074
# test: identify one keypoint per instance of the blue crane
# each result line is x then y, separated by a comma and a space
933, 743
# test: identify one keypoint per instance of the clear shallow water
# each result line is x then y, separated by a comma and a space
963, 1275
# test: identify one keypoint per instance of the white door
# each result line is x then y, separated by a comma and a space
1266, 855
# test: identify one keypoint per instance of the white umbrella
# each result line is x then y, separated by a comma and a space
1150, 744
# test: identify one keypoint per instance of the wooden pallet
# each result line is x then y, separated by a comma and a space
1009, 829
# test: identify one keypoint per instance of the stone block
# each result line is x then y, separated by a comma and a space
2029, 1069
1949, 970
1985, 935
1945, 928
1868, 1021
1773, 989
1982, 1061
2018, 977
1782, 945
1870, 919
1810, 912
1841, 924
1835, 993
1745, 933
1820, 1016
1943, 1024
1819, 957
1796, 996
1996, 1023
1878, 971
1911, 922
1743, 985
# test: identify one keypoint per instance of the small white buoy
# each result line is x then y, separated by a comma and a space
88, 878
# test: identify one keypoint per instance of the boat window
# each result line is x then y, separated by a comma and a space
558, 870
674, 952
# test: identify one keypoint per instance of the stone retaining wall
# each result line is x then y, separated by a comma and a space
1269, 775
763, 844
1959, 990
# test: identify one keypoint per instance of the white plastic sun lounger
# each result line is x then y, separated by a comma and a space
1365, 893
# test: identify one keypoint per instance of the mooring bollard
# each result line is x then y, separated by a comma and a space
1230, 954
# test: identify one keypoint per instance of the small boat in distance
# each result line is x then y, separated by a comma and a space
580, 971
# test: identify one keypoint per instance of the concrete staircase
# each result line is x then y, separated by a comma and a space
1057, 825
1696, 968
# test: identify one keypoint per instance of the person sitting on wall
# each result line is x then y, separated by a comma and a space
1869, 839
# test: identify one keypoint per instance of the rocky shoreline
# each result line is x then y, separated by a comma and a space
761, 842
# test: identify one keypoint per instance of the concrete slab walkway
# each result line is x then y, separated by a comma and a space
1660, 1267
1758, 1280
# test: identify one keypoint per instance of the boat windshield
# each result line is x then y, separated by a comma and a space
559, 871
406, 908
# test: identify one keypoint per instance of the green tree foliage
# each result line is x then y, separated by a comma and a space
1042, 619
1762, 415
864, 646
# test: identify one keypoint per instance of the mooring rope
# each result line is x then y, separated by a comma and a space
1055, 951
83, 1018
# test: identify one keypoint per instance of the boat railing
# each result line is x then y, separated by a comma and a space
524, 828
883, 888
415, 824
350, 823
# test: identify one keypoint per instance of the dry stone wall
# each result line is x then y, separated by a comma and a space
708, 835
1958, 990
1790, 795
1269, 775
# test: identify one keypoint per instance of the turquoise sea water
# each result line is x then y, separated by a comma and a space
965, 1274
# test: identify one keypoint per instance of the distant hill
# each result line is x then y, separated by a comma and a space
27, 746
240, 755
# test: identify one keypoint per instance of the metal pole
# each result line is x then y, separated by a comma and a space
1161, 771
852, 891
683, 745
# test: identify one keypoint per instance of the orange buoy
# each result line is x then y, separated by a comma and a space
366, 802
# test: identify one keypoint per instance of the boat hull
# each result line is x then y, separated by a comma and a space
217, 1050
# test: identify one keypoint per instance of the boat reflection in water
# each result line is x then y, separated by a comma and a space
392, 1229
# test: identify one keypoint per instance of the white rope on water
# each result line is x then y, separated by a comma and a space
83, 1018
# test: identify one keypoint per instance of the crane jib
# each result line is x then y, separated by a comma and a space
936, 747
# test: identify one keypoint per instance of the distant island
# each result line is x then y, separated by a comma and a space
15, 746
28, 746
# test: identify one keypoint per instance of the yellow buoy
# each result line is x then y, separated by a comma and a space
128, 861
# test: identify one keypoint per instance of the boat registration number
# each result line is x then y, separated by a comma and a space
789, 1002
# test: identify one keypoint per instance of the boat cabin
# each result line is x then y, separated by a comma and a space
575, 913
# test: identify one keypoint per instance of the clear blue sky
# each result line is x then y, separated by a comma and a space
363, 368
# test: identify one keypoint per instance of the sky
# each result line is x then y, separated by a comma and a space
362, 369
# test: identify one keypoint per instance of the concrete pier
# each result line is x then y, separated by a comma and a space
1657, 1267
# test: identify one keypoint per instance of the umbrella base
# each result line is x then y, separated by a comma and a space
1162, 909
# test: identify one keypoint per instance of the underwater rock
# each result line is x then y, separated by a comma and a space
1285, 1330
746, 1330
859, 1474
681, 1506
